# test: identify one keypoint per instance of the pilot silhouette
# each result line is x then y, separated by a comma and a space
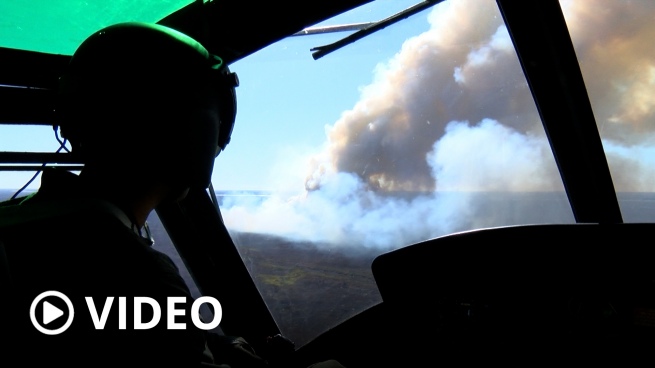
147, 109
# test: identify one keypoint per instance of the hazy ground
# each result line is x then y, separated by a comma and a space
308, 289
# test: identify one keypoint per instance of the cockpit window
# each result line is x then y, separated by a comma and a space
24, 138
420, 130
59, 26
613, 41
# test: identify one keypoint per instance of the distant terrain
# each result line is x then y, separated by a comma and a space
308, 290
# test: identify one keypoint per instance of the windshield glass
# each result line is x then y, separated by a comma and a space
613, 44
420, 130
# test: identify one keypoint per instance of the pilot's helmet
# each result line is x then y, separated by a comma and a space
139, 80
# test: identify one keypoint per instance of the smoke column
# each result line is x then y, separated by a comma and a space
451, 117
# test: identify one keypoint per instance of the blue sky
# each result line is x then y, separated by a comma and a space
286, 98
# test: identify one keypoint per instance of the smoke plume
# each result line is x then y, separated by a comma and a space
450, 117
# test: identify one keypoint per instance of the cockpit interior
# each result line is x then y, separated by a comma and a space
408, 182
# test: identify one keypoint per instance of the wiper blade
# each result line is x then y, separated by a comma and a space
321, 51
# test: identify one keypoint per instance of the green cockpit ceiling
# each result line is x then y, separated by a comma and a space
59, 26
230, 28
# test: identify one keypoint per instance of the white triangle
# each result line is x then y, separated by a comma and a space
50, 313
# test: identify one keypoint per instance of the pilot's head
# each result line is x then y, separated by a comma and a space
147, 100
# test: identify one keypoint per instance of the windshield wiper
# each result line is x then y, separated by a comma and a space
321, 51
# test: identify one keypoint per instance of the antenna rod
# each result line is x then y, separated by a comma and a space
321, 51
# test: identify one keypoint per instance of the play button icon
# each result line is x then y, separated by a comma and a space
51, 313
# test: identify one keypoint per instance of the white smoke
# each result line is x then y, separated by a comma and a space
345, 211
451, 116
479, 158
632, 166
